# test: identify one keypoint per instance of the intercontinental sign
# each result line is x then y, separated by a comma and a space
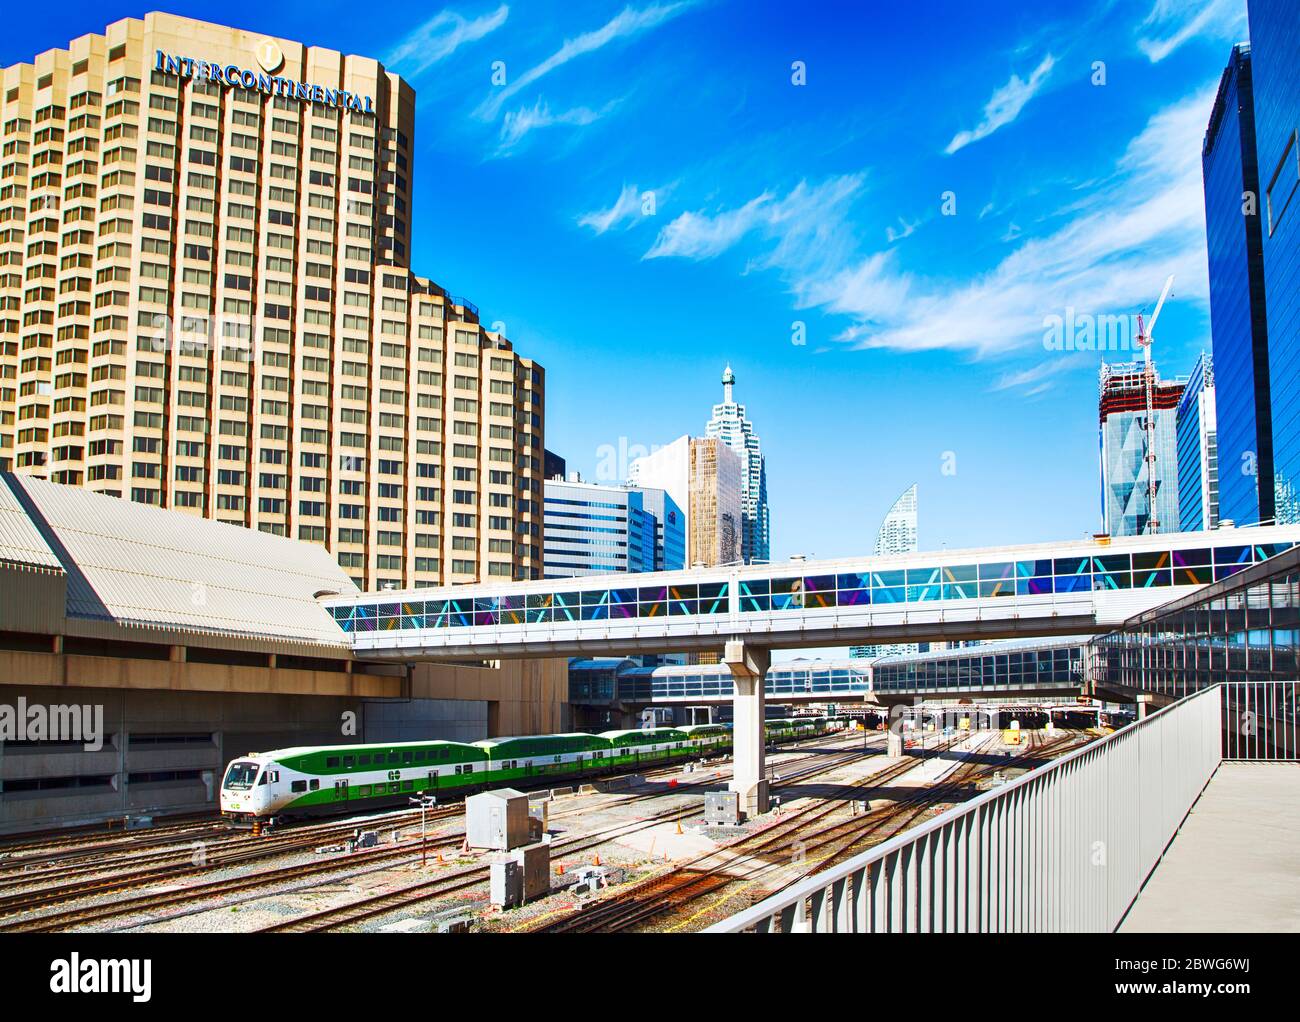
263, 81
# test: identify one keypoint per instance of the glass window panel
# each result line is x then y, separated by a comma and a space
1201, 555
755, 587
1151, 560
787, 585
684, 592
1232, 555
1194, 576
959, 573
998, 587
676, 607
1112, 562
712, 590
1072, 566
853, 580
854, 597
1072, 584
566, 607
1112, 580
752, 604
997, 570
818, 583
815, 600
1147, 579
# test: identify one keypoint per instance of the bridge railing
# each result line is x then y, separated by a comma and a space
1063, 848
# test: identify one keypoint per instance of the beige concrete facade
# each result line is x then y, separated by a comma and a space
173, 717
205, 304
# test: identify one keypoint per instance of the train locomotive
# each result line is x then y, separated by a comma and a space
321, 780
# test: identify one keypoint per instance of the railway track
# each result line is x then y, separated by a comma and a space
23, 903
819, 847
391, 901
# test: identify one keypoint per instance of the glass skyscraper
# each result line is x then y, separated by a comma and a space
1126, 463
1198, 460
730, 425
1237, 298
1275, 71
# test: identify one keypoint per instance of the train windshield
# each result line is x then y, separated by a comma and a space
240, 775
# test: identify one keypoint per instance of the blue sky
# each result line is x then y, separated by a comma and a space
773, 204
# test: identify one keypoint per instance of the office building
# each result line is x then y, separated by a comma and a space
730, 425
897, 535
1274, 51
1238, 320
1126, 462
591, 529
716, 502
207, 306
670, 528
1198, 460
667, 468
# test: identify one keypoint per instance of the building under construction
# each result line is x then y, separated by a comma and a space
1131, 455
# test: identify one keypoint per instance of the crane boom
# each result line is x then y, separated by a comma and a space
1146, 339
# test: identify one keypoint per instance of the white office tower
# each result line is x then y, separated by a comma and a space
668, 468
897, 535
730, 425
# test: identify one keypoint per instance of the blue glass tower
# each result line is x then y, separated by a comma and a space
1198, 463
1237, 298
1275, 60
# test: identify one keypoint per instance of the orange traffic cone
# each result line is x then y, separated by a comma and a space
679, 826
561, 870
598, 859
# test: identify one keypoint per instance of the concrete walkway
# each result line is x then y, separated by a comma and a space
1235, 865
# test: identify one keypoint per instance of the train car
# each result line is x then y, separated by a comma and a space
533, 756
707, 737
309, 781
642, 746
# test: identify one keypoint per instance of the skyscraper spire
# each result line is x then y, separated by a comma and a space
730, 425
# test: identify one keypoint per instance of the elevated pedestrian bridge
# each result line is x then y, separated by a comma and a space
1046, 589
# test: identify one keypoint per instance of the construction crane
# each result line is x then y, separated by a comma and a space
1145, 339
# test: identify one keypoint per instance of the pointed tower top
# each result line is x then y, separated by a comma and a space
728, 381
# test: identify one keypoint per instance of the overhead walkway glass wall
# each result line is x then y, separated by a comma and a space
1246, 628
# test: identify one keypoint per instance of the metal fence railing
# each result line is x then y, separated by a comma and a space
1063, 848
1259, 720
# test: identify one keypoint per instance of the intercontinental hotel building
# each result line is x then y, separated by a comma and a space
205, 305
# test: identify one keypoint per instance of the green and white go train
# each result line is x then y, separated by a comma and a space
318, 780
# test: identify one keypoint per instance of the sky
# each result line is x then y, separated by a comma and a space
872, 211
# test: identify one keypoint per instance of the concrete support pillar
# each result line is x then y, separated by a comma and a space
749, 671
1143, 701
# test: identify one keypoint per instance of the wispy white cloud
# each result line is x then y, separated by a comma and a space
518, 124
627, 208
802, 230
905, 229
628, 22
1109, 258
440, 37
1035, 380
1004, 105
1173, 22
